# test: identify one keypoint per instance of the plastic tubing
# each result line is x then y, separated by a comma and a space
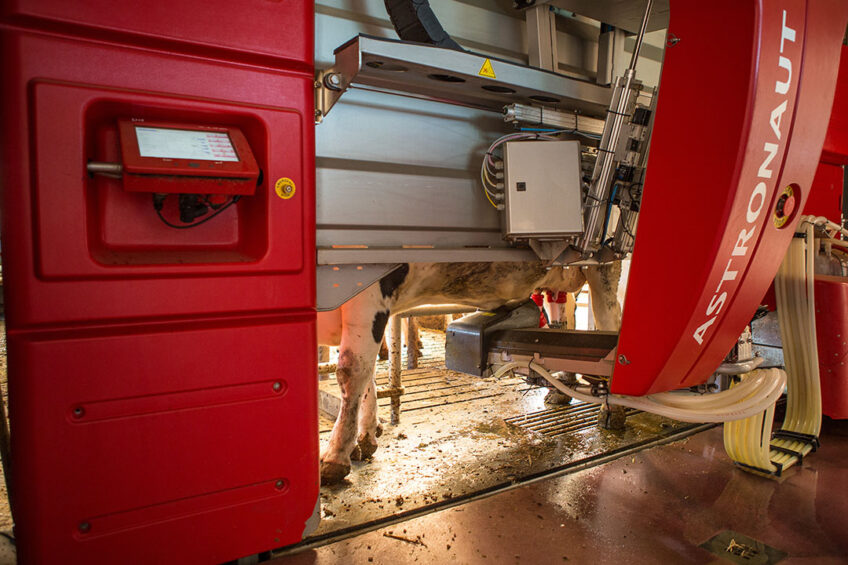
738, 411
796, 305
749, 441
757, 391
824, 222
812, 421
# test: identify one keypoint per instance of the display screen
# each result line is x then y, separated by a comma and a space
170, 143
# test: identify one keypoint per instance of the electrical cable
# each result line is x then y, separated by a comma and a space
195, 224
489, 164
559, 131
483, 180
488, 178
485, 188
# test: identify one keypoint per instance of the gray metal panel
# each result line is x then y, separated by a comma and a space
371, 141
336, 284
375, 238
625, 14
406, 255
389, 169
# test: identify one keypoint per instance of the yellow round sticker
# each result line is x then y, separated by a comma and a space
284, 188
785, 208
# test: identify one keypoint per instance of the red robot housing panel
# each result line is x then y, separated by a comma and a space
740, 123
159, 374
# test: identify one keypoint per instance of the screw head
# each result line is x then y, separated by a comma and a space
333, 80
277, 386
78, 412
287, 189
672, 40
84, 527
623, 360
281, 484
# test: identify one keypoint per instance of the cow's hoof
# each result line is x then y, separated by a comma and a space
612, 417
367, 447
557, 398
364, 449
333, 473
379, 431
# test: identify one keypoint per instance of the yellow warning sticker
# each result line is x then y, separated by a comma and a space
486, 70
284, 188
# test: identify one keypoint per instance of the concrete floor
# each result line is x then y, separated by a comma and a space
657, 506
452, 442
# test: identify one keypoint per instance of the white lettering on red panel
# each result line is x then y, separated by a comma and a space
757, 198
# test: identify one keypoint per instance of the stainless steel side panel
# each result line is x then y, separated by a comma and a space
395, 171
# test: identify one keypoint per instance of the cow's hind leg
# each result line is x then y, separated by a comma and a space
562, 310
363, 322
603, 285
367, 425
569, 311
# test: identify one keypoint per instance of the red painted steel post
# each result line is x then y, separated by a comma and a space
162, 382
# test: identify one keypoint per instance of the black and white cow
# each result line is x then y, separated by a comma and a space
358, 326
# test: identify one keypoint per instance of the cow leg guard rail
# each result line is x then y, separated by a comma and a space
750, 442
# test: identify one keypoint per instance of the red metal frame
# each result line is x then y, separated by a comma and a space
742, 112
162, 392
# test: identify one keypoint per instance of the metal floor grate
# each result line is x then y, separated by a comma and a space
561, 420
739, 548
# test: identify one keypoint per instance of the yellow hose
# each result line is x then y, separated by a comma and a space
749, 441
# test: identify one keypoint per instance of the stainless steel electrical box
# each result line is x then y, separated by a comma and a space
542, 185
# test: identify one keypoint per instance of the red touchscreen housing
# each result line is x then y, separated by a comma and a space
167, 157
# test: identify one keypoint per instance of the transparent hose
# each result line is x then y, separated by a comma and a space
758, 391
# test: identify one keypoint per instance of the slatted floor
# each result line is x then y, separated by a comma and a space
561, 420
461, 434
431, 386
